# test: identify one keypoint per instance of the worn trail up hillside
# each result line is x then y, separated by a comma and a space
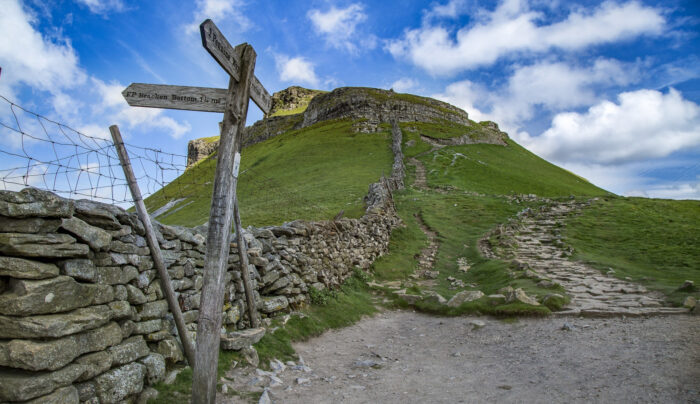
538, 247
406, 357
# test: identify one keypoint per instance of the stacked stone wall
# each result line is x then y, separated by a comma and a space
82, 314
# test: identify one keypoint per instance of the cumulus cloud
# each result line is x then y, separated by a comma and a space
219, 10
338, 26
451, 9
31, 59
553, 86
643, 124
512, 28
404, 84
296, 69
103, 6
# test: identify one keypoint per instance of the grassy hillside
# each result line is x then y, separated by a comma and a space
311, 173
494, 169
652, 241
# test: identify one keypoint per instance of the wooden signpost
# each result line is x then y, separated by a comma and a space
239, 63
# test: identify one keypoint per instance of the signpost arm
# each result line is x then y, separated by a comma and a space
220, 218
152, 243
245, 274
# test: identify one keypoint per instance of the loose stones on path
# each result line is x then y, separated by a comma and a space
539, 248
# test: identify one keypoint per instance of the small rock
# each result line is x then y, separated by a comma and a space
476, 324
434, 297
687, 286
465, 296
277, 366
302, 380
250, 355
368, 364
567, 327
265, 398
690, 302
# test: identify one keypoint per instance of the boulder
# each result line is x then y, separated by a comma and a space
152, 310
155, 368
119, 383
41, 245
55, 325
45, 296
26, 269
237, 340
519, 295
273, 304
434, 297
21, 385
32, 202
56, 353
465, 296
95, 237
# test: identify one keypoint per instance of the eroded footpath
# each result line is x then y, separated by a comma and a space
403, 356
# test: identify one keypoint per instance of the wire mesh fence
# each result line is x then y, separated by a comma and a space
36, 151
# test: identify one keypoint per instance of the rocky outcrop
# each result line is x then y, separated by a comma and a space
292, 99
377, 106
199, 149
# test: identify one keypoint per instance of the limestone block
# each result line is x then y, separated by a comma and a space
121, 293
64, 395
129, 350
465, 296
87, 392
45, 296
79, 268
56, 353
21, 385
158, 336
28, 225
119, 383
120, 309
95, 363
237, 340
95, 237
41, 245
32, 202
135, 295
232, 315
278, 284
55, 325
151, 310
273, 304
116, 275
26, 269
171, 350
155, 368
148, 327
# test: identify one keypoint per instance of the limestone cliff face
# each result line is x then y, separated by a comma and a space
378, 106
367, 106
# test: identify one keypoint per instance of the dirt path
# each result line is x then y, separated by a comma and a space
402, 356
539, 247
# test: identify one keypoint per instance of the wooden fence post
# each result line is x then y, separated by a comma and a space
249, 297
153, 244
218, 245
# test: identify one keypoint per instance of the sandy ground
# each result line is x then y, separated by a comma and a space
424, 359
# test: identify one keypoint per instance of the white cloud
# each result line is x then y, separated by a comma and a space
513, 29
338, 26
296, 69
644, 124
404, 84
30, 59
451, 9
103, 6
553, 86
217, 11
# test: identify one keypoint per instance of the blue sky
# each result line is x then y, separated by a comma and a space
609, 90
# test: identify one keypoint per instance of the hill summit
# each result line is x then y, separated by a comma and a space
297, 107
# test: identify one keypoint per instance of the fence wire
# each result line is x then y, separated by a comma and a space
36, 151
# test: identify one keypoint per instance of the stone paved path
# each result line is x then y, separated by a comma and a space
593, 293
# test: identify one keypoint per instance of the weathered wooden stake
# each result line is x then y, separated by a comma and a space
153, 244
218, 246
245, 274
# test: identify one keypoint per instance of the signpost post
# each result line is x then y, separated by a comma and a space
239, 63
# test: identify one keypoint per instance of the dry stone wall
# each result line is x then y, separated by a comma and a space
82, 314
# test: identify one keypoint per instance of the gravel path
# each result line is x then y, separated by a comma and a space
420, 358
